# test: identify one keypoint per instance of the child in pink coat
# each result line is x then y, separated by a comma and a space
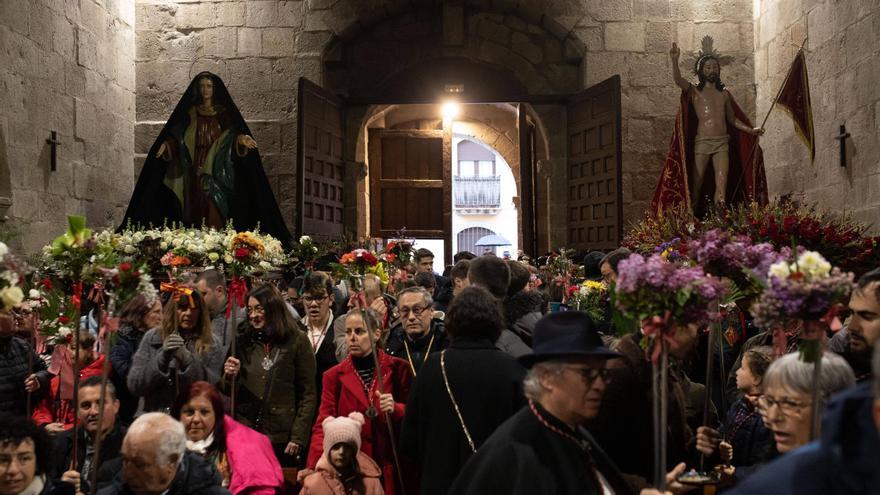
343, 469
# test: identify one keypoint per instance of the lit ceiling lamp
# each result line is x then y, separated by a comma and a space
451, 108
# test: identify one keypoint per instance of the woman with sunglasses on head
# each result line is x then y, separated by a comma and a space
177, 353
275, 372
353, 386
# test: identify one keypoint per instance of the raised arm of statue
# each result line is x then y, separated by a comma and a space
681, 82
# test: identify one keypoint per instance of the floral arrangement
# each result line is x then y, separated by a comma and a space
648, 287
782, 223
662, 295
127, 280
735, 258
11, 294
843, 241
70, 256
562, 269
808, 289
398, 253
354, 264
304, 253
673, 250
590, 297
644, 236
173, 248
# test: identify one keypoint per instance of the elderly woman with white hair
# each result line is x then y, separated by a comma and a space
787, 400
155, 461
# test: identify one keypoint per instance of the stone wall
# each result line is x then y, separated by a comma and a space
261, 47
842, 54
258, 48
633, 39
65, 66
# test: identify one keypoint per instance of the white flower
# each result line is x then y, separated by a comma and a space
265, 265
163, 245
129, 249
780, 270
305, 239
4, 250
11, 296
213, 257
228, 258
34, 294
813, 264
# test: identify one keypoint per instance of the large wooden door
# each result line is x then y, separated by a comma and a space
411, 184
527, 190
320, 167
594, 209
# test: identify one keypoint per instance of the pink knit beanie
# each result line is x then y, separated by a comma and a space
343, 430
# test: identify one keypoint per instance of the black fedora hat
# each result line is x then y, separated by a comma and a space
569, 334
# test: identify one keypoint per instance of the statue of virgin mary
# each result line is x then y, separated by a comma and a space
204, 169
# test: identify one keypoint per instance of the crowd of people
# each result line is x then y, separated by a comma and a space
464, 383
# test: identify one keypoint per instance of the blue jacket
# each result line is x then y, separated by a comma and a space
845, 460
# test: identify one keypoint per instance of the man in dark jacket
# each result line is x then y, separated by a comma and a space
155, 461
543, 448
112, 431
492, 273
21, 370
442, 294
484, 383
846, 459
418, 334
624, 427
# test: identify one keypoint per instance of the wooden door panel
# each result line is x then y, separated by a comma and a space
594, 168
320, 162
410, 183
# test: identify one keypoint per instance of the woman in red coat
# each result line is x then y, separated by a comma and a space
351, 386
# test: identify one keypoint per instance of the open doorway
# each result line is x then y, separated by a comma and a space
485, 216
446, 176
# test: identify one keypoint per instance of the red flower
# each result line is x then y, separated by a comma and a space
46, 283
390, 257
242, 253
790, 224
136, 274
64, 320
124, 267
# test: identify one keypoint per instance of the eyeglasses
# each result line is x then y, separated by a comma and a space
590, 374
788, 407
311, 299
255, 309
415, 310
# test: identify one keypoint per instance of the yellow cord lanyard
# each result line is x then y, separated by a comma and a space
409, 356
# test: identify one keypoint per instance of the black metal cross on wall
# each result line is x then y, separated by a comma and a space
53, 155
842, 138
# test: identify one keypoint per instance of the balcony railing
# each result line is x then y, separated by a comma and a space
477, 192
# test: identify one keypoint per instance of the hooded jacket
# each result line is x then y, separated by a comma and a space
844, 461
325, 479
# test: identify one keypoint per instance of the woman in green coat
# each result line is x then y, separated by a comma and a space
275, 370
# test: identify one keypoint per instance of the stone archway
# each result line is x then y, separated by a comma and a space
499, 55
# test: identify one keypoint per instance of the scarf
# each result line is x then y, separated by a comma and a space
201, 446
36, 486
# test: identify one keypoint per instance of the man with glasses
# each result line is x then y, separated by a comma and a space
845, 460
418, 333
318, 321
544, 448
